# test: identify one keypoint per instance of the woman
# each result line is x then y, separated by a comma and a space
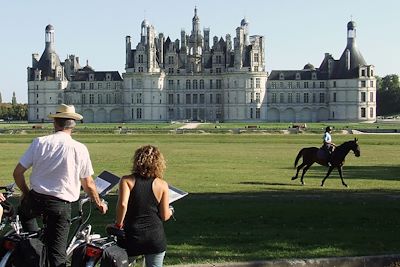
328, 144
143, 205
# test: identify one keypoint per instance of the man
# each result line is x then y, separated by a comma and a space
327, 143
60, 165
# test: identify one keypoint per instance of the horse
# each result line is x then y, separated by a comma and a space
310, 155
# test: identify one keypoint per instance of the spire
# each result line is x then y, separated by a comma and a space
14, 99
195, 23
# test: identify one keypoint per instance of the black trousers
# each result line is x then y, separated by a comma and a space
57, 215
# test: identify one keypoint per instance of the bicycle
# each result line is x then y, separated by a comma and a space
93, 251
81, 234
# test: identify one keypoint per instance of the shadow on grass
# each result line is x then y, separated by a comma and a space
382, 172
283, 224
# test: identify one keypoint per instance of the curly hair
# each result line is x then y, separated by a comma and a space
148, 162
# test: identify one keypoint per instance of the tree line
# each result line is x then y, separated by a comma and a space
9, 112
388, 95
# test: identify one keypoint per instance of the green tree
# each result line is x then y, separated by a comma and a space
389, 82
388, 95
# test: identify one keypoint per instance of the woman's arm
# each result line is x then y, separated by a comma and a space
122, 204
165, 211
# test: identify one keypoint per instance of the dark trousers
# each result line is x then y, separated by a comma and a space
56, 215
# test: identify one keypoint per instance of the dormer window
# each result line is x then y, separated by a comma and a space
281, 76
91, 77
314, 76
298, 76
363, 73
108, 77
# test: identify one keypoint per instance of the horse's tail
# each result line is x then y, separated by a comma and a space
299, 155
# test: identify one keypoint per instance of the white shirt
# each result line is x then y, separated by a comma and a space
58, 162
327, 138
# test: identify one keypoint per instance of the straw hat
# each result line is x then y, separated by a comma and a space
66, 112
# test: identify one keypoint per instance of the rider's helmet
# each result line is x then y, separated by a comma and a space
328, 129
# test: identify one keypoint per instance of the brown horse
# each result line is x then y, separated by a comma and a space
310, 156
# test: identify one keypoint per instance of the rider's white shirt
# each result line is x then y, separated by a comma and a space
327, 137
58, 162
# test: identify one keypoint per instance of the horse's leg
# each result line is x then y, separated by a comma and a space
304, 172
327, 174
340, 170
298, 169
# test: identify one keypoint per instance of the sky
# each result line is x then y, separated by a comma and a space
297, 32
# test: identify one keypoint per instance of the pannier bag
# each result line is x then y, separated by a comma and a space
114, 256
30, 252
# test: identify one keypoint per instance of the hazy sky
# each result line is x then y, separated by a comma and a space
297, 32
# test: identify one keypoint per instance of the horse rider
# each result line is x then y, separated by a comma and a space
328, 146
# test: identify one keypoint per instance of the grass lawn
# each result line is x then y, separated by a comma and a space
242, 204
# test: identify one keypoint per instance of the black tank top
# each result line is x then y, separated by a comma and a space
143, 227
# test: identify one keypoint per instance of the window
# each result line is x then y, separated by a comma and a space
211, 98
321, 98
218, 59
334, 97
91, 98
195, 84
371, 112
171, 60
139, 98
334, 83
91, 86
82, 86
363, 115
280, 84
108, 99
371, 96
188, 99
100, 99
363, 83
297, 84
314, 85
139, 113
258, 82
170, 84
258, 113
195, 99
321, 84
314, 98
211, 84
251, 113
305, 98
251, 97
305, 84
219, 84
218, 99
363, 97
83, 99
108, 86
273, 98
290, 98
201, 98
218, 70
281, 98
363, 72
140, 69
170, 99
140, 59
201, 84
256, 68
371, 83
170, 70
188, 86
257, 97
297, 97
290, 85
273, 85
256, 59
